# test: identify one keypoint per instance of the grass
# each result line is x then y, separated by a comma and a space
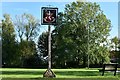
61, 74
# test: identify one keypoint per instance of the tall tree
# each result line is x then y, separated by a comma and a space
9, 45
43, 44
82, 25
27, 27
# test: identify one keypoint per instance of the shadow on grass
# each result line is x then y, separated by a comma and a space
78, 73
65, 73
22, 72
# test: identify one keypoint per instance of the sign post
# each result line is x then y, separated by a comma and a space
49, 17
49, 47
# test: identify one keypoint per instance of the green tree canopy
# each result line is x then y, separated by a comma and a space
82, 29
27, 27
115, 43
43, 44
8, 41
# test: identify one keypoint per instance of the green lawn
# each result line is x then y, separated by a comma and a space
61, 74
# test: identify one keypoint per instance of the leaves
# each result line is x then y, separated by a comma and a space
27, 26
9, 46
84, 24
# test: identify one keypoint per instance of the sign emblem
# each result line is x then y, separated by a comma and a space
49, 16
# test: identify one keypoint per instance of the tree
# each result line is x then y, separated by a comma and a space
27, 27
27, 49
9, 45
43, 47
80, 25
0, 43
34, 61
115, 54
119, 50
43, 44
115, 42
119, 45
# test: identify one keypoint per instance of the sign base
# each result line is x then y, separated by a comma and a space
49, 74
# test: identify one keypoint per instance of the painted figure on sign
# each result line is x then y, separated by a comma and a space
49, 17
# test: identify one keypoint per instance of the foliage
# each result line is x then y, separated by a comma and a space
26, 50
115, 49
27, 26
33, 61
115, 43
15, 52
82, 30
9, 46
43, 44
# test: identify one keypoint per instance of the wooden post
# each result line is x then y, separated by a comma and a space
49, 18
49, 73
49, 47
